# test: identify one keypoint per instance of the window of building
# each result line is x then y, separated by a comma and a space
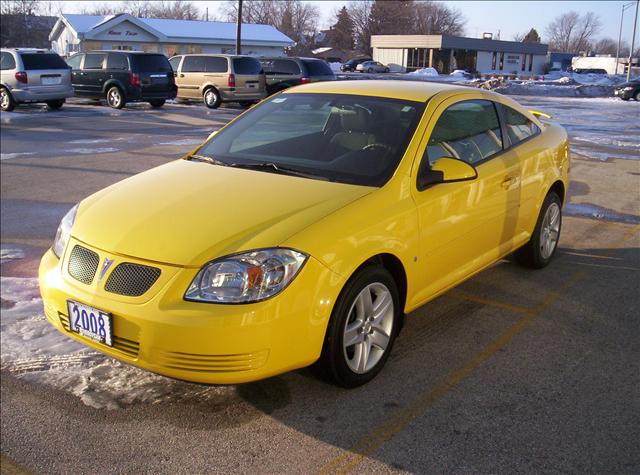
417, 58
530, 62
519, 128
523, 62
122, 47
468, 130
213, 64
91, 45
74, 61
494, 60
150, 47
171, 50
117, 61
193, 64
94, 61
501, 61
192, 49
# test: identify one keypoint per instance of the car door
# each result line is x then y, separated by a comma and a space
191, 76
465, 225
93, 74
75, 63
249, 76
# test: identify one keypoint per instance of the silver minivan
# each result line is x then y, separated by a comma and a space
33, 75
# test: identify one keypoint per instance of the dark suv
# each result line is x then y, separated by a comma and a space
123, 76
350, 66
283, 72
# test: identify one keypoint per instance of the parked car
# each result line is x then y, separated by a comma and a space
219, 78
123, 76
284, 72
350, 65
305, 229
628, 90
372, 67
33, 75
590, 71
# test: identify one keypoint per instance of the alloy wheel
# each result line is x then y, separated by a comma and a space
550, 230
4, 99
115, 98
368, 328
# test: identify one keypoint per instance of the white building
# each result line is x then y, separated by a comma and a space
448, 53
74, 33
607, 63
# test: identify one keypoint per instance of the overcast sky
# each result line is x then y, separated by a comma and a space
510, 17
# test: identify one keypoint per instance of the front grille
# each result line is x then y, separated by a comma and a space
132, 280
211, 363
83, 264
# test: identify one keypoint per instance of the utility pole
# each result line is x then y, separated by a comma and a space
239, 28
633, 41
624, 7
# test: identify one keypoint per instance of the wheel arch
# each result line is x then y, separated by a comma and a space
558, 188
113, 82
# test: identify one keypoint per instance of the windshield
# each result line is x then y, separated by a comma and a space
337, 137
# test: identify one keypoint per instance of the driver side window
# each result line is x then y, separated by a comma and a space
469, 131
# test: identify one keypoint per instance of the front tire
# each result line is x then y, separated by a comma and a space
212, 98
55, 105
115, 98
542, 246
156, 103
362, 329
7, 102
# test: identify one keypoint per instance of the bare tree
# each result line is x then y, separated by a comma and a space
139, 8
431, 18
360, 12
519, 37
19, 7
572, 32
101, 9
605, 46
176, 10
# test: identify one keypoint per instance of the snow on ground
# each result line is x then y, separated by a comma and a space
9, 253
429, 72
32, 349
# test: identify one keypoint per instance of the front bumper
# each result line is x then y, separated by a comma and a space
621, 93
208, 343
41, 93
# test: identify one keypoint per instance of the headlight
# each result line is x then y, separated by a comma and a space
64, 231
246, 277
628, 88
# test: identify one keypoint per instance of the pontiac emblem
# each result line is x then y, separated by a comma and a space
106, 265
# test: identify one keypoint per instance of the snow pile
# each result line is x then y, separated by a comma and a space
460, 73
430, 72
335, 67
8, 253
34, 350
562, 87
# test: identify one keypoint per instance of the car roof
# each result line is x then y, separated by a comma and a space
419, 91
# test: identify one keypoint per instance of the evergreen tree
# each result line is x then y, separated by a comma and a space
342, 31
531, 37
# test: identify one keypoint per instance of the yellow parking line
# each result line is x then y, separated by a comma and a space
392, 426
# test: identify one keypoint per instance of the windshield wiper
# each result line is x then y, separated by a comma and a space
204, 158
272, 167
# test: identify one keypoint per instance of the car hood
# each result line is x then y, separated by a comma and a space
187, 213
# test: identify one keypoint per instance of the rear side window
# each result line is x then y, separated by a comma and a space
74, 61
193, 64
175, 62
150, 63
317, 68
117, 61
7, 61
43, 61
519, 128
214, 64
283, 67
246, 66
93, 61
468, 131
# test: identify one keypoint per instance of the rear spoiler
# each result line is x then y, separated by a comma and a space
539, 114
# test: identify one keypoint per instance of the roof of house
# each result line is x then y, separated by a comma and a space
183, 29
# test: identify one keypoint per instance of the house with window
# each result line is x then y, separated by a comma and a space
447, 53
79, 33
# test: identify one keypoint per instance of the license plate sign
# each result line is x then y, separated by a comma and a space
90, 322
50, 81
252, 85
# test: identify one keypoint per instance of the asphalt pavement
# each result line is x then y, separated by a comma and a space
513, 371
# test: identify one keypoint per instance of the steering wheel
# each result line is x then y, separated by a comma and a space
373, 146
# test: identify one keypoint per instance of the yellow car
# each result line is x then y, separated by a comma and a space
304, 230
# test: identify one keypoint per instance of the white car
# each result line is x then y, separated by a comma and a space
372, 67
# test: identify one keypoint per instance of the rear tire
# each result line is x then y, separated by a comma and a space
363, 326
212, 98
7, 103
55, 105
157, 103
542, 246
636, 96
115, 98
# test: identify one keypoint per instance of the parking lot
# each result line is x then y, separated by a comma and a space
513, 371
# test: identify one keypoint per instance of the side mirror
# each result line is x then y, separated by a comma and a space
445, 170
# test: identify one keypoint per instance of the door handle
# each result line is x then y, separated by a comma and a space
181, 75
508, 181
